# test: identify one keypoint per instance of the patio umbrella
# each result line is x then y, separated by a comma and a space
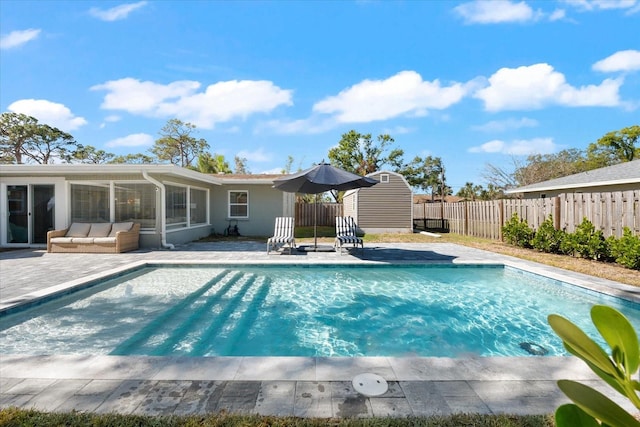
318, 179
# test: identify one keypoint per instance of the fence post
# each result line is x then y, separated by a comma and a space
466, 218
556, 212
501, 218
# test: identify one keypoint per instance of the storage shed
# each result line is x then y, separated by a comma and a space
387, 207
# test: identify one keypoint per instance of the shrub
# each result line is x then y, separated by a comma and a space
626, 250
547, 238
586, 242
517, 232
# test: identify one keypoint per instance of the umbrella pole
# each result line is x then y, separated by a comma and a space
315, 224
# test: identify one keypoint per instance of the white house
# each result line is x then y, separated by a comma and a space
621, 177
173, 205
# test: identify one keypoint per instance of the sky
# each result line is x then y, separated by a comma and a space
471, 82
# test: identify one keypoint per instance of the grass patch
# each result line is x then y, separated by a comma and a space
17, 417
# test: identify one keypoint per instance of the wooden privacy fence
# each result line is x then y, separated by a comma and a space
609, 212
327, 213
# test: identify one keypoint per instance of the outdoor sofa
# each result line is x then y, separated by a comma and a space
98, 237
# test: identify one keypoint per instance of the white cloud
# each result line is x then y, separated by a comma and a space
506, 125
116, 13
518, 147
133, 140
220, 102
110, 119
402, 94
591, 5
138, 97
496, 11
18, 38
49, 113
557, 15
255, 155
624, 60
536, 86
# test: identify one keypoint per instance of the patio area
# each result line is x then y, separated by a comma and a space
293, 386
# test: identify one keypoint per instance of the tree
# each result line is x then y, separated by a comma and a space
426, 174
543, 167
287, 165
491, 193
15, 132
134, 159
622, 143
89, 154
22, 139
215, 163
176, 144
359, 154
469, 191
49, 143
241, 165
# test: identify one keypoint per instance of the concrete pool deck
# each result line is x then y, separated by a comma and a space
293, 386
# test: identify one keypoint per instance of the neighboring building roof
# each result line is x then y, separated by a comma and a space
622, 173
93, 169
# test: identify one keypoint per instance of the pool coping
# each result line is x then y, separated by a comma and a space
523, 385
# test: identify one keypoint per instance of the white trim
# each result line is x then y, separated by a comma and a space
69, 170
384, 178
573, 186
229, 217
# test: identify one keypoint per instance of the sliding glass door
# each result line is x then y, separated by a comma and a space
31, 213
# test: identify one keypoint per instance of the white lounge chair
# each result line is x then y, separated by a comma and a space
282, 235
346, 233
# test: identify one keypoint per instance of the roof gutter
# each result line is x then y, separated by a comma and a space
163, 210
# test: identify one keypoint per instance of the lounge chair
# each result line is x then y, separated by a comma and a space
282, 235
346, 233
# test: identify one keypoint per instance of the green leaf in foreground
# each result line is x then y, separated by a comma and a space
616, 329
570, 415
597, 405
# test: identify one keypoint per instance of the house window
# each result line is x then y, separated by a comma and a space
198, 206
238, 204
137, 203
384, 177
90, 203
176, 206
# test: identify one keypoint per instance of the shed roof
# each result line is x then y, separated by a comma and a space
622, 173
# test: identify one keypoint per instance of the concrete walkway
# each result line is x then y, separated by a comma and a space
298, 386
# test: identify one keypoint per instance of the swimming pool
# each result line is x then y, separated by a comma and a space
311, 310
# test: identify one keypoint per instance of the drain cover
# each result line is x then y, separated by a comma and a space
370, 384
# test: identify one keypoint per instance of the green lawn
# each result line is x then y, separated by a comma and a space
19, 418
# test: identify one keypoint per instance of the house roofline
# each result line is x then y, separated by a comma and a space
92, 169
571, 186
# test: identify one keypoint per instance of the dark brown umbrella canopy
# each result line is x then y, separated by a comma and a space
320, 178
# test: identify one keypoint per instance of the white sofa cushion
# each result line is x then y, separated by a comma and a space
100, 229
104, 240
120, 226
61, 239
78, 229
82, 240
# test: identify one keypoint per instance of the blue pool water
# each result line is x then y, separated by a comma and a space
417, 310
